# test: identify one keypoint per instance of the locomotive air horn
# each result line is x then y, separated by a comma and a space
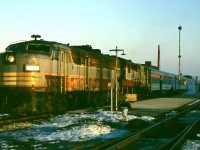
35, 36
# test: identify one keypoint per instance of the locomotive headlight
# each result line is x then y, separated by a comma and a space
10, 58
32, 68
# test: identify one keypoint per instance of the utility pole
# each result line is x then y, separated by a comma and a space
116, 82
179, 58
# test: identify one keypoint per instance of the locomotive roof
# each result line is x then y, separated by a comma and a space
32, 41
81, 50
86, 48
53, 43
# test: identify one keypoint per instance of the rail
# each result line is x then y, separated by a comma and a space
13, 119
185, 135
122, 143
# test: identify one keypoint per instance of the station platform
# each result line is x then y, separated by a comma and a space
151, 107
159, 106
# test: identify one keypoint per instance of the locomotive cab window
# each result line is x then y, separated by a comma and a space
16, 48
39, 48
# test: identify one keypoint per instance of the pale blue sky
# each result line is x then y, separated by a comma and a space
137, 26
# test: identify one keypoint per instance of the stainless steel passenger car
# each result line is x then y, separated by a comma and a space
163, 82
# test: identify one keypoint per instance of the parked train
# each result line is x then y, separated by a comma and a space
47, 76
167, 83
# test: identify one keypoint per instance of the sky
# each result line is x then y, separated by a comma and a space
137, 26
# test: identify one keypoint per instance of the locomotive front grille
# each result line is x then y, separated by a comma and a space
17, 79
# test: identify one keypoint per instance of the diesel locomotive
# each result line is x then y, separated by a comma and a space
40, 76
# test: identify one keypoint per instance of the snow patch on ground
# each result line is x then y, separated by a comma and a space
75, 127
4, 115
191, 145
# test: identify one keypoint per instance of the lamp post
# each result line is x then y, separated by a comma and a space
179, 57
116, 82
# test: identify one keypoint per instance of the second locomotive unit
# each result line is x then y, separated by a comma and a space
45, 76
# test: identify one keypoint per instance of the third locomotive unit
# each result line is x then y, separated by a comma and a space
46, 76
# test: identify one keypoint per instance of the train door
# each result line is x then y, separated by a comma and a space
86, 73
55, 79
60, 71
101, 76
68, 70
148, 78
64, 58
65, 70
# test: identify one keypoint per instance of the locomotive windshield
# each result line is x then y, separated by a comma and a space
44, 48
39, 48
16, 48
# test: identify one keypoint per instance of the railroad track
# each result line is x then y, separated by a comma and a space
188, 132
8, 119
169, 133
